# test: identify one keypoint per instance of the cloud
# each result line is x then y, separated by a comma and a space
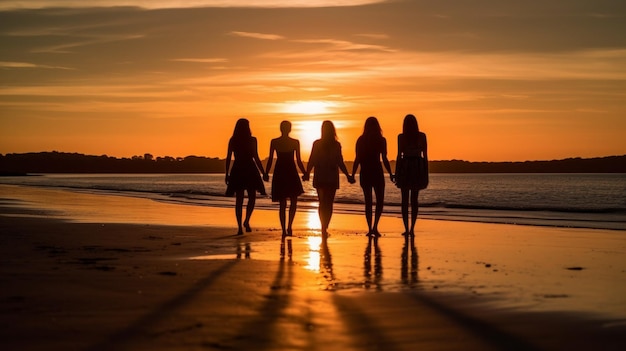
374, 36
346, 45
28, 65
164, 4
261, 36
201, 60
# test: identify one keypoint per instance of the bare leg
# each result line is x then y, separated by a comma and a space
249, 209
239, 210
281, 214
380, 202
405, 209
414, 209
367, 194
293, 205
326, 198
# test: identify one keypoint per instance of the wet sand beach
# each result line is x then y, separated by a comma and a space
102, 272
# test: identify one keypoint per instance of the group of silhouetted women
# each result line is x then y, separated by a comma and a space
326, 161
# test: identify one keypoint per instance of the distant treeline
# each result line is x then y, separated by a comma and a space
610, 164
61, 162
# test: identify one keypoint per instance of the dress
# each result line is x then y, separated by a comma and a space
369, 158
412, 168
244, 175
285, 180
326, 160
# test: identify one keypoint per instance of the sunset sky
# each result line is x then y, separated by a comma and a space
489, 80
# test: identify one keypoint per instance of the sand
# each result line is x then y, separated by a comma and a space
103, 272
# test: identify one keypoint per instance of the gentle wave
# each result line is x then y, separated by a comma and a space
584, 200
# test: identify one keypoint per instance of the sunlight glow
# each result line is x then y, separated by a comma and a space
307, 132
313, 261
313, 221
308, 107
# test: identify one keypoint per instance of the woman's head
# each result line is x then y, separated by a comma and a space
372, 128
242, 129
410, 125
285, 127
328, 131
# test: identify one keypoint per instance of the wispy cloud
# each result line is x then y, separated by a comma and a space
346, 45
29, 65
374, 36
201, 60
160, 4
261, 36
92, 40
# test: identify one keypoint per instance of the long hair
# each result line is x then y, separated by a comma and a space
372, 131
410, 127
242, 130
329, 133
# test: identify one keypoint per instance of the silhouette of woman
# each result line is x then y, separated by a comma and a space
411, 169
285, 180
370, 147
327, 160
244, 175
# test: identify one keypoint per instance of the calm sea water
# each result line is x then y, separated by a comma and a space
568, 200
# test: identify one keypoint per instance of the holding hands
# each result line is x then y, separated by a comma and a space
351, 178
266, 177
306, 176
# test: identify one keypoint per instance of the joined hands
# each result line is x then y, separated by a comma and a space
351, 179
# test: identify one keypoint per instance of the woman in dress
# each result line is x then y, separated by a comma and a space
285, 180
370, 147
244, 175
411, 169
326, 159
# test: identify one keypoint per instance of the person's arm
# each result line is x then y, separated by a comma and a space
399, 155
342, 166
299, 158
386, 160
257, 160
228, 159
357, 157
425, 151
311, 163
270, 160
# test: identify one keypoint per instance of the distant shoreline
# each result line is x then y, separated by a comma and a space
61, 162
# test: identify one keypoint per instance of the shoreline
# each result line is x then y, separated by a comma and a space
539, 217
129, 272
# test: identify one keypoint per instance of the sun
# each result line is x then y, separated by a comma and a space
307, 132
307, 107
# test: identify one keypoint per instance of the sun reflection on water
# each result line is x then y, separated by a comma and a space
313, 221
313, 261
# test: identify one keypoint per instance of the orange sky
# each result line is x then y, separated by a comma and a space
489, 80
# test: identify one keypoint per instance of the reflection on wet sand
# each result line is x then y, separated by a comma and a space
409, 277
326, 265
313, 249
243, 249
378, 265
286, 242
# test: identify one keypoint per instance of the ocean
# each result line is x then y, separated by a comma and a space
560, 200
